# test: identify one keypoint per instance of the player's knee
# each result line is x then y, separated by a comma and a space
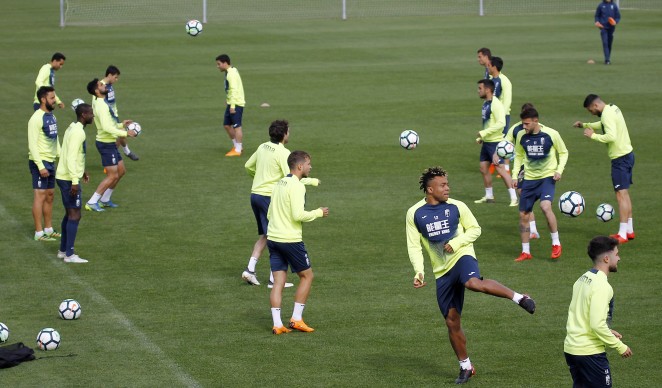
474, 284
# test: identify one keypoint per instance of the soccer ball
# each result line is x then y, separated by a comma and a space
134, 126
69, 309
194, 27
4, 332
605, 212
571, 204
505, 149
48, 339
75, 103
409, 139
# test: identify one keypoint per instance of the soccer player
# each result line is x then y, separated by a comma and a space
284, 239
447, 229
589, 319
70, 172
235, 102
503, 88
46, 77
494, 119
607, 16
511, 135
267, 166
112, 76
484, 55
619, 148
108, 130
43, 149
536, 148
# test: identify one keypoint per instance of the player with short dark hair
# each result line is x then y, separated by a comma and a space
536, 148
235, 103
619, 148
267, 166
46, 77
494, 120
589, 319
70, 172
110, 79
284, 239
43, 149
607, 16
109, 128
484, 56
447, 229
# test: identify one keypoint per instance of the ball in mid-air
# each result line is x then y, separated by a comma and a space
571, 204
48, 339
75, 103
69, 309
605, 212
409, 139
193, 27
4, 332
134, 126
505, 149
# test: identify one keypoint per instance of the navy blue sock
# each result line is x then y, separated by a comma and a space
72, 229
63, 238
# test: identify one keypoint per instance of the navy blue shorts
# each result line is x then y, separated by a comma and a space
533, 190
450, 287
38, 182
260, 205
621, 171
68, 201
589, 371
505, 129
109, 154
233, 119
487, 152
283, 254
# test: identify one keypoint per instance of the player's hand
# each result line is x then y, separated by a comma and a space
131, 133
325, 211
611, 21
578, 124
495, 159
126, 122
556, 177
588, 132
86, 177
419, 281
628, 353
74, 190
61, 105
44, 173
599, 25
514, 183
232, 111
448, 248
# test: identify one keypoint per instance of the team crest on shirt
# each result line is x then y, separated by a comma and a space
447, 213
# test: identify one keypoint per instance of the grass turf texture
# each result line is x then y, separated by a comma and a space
162, 296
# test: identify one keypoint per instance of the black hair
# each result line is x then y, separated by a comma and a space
429, 174
589, 100
488, 83
43, 91
224, 58
92, 86
600, 245
278, 129
112, 70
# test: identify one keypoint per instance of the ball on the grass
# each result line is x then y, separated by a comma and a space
4, 332
48, 339
70, 309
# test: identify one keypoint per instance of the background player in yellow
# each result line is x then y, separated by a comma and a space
43, 149
284, 238
234, 109
589, 318
110, 79
46, 77
619, 148
447, 229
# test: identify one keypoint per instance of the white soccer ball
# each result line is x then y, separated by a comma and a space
75, 103
571, 204
4, 332
135, 127
505, 149
69, 309
605, 212
193, 27
409, 139
48, 339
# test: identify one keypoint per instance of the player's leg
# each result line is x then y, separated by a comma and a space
37, 212
621, 177
278, 267
238, 135
107, 194
546, 207
610, 41
487, 182
508, 181
298, 259
260, 207
528, 197
605, 44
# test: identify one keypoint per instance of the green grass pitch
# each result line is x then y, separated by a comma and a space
163, 302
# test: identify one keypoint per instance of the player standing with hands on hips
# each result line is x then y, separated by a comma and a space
589, 318
607, 16
447, 229
284, 240
619, 148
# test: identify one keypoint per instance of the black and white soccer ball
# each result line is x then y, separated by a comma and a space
193, 27
70, 309
135, 127
409, 139
571, 204
605, 212
48, 339
505, 149
4, 332
76, 102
